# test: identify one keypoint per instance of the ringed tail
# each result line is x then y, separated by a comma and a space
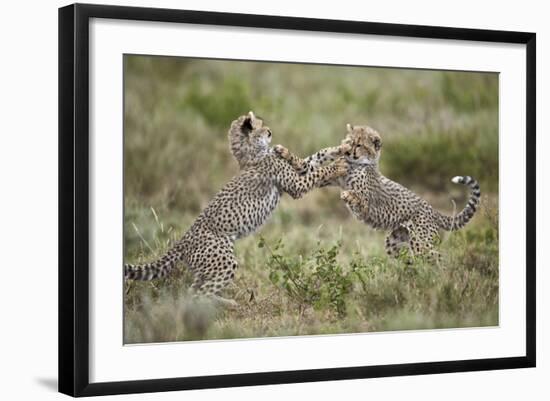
149, 271
452, 223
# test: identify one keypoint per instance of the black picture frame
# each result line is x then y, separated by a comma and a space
74, 198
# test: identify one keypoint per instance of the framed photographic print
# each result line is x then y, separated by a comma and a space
251, 199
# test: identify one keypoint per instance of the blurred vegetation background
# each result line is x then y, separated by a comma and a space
434, 125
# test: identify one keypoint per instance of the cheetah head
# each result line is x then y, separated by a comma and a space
249, 138
365, 143
258, 135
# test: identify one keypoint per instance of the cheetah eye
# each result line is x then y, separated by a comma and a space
269, 133
353, 149
377, 143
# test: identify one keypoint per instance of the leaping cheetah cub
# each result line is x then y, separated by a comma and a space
240, 208
382, 203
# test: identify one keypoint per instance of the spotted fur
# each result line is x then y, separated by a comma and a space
382, 203
240, 208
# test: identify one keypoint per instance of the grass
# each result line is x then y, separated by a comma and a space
312, 269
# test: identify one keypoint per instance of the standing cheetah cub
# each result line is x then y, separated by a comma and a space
382, 203
240, 208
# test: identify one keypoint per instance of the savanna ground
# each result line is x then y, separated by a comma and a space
312, 268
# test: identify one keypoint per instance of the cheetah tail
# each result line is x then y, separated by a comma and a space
451, 223
150, 271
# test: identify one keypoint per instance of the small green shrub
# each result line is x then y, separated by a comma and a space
318, 281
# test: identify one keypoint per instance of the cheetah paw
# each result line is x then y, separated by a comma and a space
341, 166
349, 197
344, 148
227, 303
282, 151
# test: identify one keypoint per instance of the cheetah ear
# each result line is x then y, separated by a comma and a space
349, 128
247, 123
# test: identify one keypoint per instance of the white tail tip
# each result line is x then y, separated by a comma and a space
457, 179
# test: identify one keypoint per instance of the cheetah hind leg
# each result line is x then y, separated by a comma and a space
206, 289
397, 241
210, 286
424, 245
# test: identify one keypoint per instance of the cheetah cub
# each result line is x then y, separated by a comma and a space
412, 222
240, 208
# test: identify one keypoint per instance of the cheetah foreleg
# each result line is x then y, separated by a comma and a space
297, 164
302, 166
298, 185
